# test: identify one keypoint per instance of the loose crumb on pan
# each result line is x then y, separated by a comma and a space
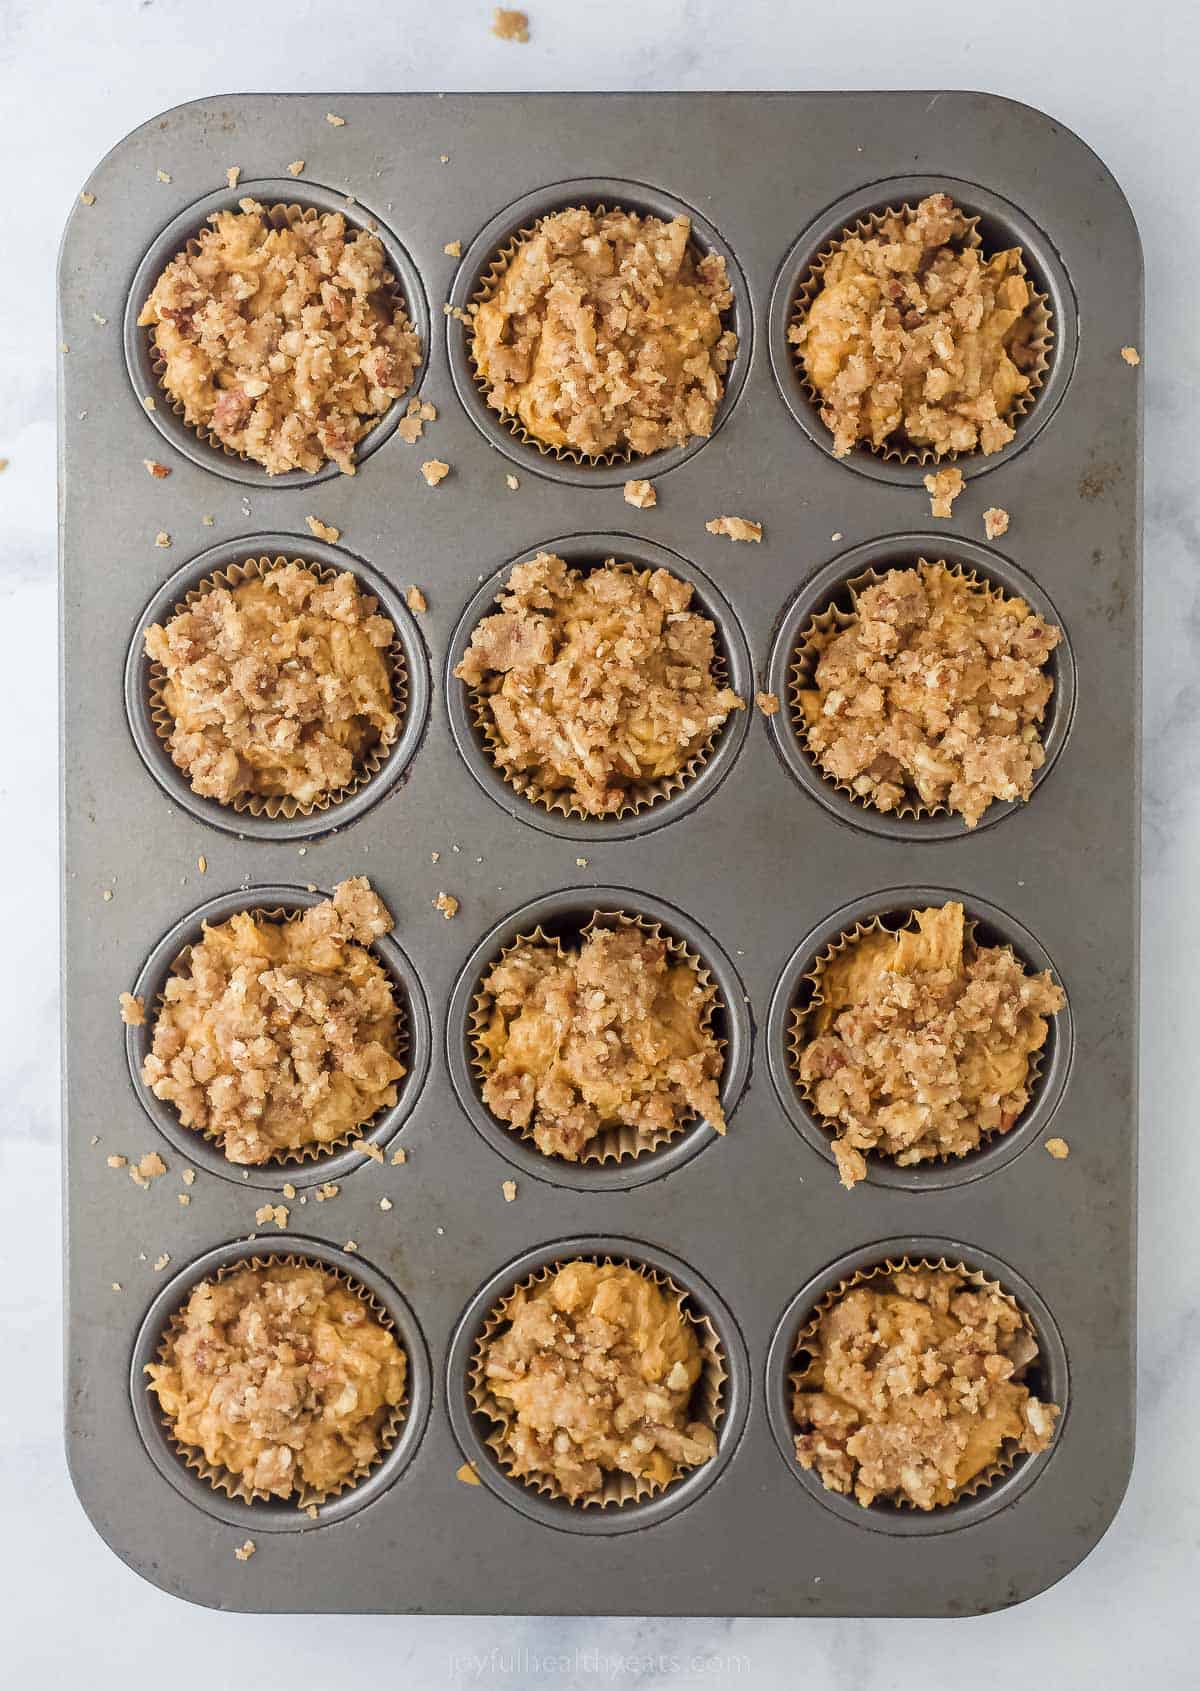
278, 1213
277, 687
160, 472
245, 1551
943, 488
641, 494
233, 174
453, 249
274, 1036
295, 168
161, 1262
399, 1158
593, 1370
995, 522
914, 1387
935, 692
162, 539
333, 119
918, 1043
368, 1148
133, 1010
511, 483
735, 528
150, 1167
915, 339
614, 1032
595, 683
416, 601
509, 25
467, 1475
447, 904
162, 175
117, 1161
509, 1189
434, 471
281, 1376
87, 199
1058, 1149
323, 531
1131, 355
202, 864
603, 332
768, 703
284, 344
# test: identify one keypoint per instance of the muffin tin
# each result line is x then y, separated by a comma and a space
750, 865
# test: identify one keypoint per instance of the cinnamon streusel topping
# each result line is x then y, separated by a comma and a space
934, 692
281, 1376
915, 1388
597, 1366
915, 339
285, 344
279, 687
920, 1044
613, 1034
603, 333
274, 1036
595, 683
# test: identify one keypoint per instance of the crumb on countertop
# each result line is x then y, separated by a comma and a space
509, 25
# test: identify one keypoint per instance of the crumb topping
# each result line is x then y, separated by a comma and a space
915, 339
596, 682
281, 1376
920, 1047
133, 1010
276, 1035
613, 1034
597, 1366
915, 1387
604, 333
278, 687
935, 692
285, 344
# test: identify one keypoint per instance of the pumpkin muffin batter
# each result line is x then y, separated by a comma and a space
278, 1036
279, 687
603, 333
920, 1045
284, 344
596, 1367
914, 1389
613, 1034
935, 693
915, 339
282, 1376
596, 682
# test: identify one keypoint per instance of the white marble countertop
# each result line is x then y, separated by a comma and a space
74, 77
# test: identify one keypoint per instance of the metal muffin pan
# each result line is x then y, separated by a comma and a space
749, 864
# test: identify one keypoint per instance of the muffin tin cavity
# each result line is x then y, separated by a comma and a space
1001, 225
472, 1427
583, 552
301, 1170
496, 237
139, 348
830, 588
154, 752
1047, 1378
1049, 1067
272, 1515
564, 915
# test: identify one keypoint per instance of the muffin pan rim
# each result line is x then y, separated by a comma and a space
648, 1165
195, 1147
963, 1512
583, 551
627, 1518
414, 722
173, 238
1047, 270
278, 1515
614, 193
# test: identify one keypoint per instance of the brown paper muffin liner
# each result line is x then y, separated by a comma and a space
279, 217
1041, 342
274, 806
235, 1485
639, 795
811, 645
488, 282
617, 1489
292, 1156
797, 1039
804, 1338
611, 1144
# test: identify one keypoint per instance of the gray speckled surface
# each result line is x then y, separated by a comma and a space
1124, 87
